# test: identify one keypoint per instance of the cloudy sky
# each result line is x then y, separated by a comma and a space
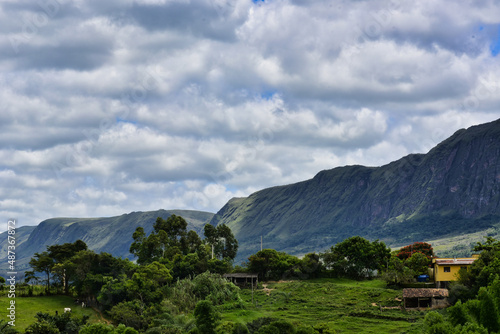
108, 107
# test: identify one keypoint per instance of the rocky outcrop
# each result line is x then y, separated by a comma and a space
455, 188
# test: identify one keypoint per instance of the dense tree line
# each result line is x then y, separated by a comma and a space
354, 258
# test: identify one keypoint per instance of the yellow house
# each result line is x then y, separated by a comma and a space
446, 269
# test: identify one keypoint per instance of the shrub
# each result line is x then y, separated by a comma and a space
323, 328
65, 323
5, 328
128, 313
459, 292
433, 318
122, 329
305, 330
269, 329
97, 329
435, 324
42, 327
240, 328
457, 314
225, 327
206, 317
471, 328
473, 308
228, 327
488, 313
255, 325
284, 327
182, 296
441, 328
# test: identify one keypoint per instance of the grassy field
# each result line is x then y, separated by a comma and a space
342, 305
27, 308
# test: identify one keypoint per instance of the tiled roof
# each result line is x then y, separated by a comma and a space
424, 293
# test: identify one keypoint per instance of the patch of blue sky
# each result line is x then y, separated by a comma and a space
123, 120
268, 94
489, 34
258, 1
495, 45
230, 188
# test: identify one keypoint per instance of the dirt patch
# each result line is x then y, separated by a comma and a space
266, 289
386, 307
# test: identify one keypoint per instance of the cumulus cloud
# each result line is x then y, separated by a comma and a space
118, 106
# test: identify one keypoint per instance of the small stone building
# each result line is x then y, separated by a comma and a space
425, 298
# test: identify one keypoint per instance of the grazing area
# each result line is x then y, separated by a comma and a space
336, 305
28, 307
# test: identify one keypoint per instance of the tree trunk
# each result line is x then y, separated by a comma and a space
48, 282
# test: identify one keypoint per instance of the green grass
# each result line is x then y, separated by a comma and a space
343, 305
339, 304
27, 308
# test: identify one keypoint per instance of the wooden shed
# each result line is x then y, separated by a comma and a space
243, 279
425, 298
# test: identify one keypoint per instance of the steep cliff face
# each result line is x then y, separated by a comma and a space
455, 188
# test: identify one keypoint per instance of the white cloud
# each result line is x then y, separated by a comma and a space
119, 106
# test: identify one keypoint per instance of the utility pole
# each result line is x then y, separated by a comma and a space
261, 242
252, 289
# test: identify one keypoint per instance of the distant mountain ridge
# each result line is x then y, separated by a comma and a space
111, 234
453, 189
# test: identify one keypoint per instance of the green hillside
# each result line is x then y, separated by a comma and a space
336, 305
452, 190
112, 234
28, 307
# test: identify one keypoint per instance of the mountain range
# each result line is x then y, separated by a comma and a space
110, 234
452, 190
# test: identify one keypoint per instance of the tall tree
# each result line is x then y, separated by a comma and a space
168, 238
61, 253
419, 263
62, 264
43, 263
271, 264
222, 241
422, 247
356, 257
